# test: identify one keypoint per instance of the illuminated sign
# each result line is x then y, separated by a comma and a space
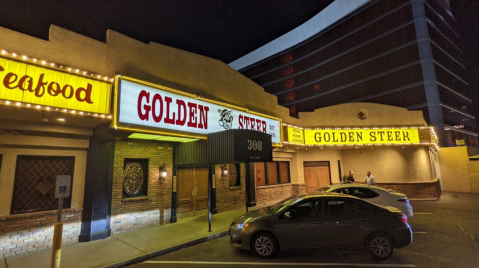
293, 135
145, 107
28, 83
365, 136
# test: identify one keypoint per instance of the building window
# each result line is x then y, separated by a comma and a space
35, 178
135, 177
287, 58
288, 70
292, 110
259, 171
289, 83
290, 96
272, 173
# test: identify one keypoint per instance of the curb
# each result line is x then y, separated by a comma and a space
167, 250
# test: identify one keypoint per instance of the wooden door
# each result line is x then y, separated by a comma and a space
323, 174
310, 179
201, 195
192, 191
186, 183
316, 177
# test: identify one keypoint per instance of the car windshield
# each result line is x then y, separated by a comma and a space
284, 203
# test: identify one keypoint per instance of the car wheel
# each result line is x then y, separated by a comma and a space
264, 245
380, 246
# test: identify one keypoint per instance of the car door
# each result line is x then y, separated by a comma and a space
345, 221
299, 226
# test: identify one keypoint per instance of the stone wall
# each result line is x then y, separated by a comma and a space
418, 190
25, 233
270, 193
131, 214
229, 198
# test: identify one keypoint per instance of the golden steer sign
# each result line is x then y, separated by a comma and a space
37, 85
373, 136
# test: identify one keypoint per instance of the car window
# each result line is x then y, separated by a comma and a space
310, 208
342, 207
364, 193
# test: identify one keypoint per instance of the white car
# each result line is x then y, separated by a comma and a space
373, 194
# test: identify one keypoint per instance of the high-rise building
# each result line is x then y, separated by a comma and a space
400, 53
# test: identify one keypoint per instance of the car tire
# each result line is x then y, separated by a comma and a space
380, 246
264, 245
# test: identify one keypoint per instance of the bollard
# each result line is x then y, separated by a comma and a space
57, 245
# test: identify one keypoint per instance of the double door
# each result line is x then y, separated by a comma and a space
192, 192
316, 177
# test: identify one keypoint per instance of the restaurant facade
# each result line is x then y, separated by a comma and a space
151, 134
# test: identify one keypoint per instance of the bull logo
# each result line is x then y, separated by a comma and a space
226, 118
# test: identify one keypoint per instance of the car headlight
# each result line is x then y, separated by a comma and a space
240, 226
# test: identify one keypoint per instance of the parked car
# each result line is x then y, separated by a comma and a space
327, 220
373, 194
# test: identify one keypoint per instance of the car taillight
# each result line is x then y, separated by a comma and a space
404, 201
403, 218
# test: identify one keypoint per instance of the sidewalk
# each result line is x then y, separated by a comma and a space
133, 247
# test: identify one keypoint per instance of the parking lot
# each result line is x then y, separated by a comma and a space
446, 234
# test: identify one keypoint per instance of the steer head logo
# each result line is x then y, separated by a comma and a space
226, 118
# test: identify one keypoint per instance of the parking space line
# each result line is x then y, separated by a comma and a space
283, 264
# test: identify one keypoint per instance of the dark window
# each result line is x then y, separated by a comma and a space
35, 179
307, 209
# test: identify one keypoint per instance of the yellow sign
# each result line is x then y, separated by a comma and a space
361, 136
28, 83
295, 135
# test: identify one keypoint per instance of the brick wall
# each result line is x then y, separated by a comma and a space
25, 233
131, 214
299, 188
269, 193
229, 198
415, 190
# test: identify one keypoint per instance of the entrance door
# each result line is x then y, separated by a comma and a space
192, 192
316, 175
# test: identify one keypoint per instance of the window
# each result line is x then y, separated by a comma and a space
272, 173
35, 179
342, 207
362, 193
307, 209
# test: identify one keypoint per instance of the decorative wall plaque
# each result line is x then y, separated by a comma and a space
133, 178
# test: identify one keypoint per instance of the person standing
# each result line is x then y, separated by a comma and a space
350, 177
370, 179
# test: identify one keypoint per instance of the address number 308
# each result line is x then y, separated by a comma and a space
254, 145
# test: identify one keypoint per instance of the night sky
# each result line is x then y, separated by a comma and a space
221, 29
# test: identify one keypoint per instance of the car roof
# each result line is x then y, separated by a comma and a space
358, 185
324, 194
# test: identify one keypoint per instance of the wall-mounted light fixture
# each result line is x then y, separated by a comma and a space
224, 171
163, 173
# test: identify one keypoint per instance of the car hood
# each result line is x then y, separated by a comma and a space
251, 215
